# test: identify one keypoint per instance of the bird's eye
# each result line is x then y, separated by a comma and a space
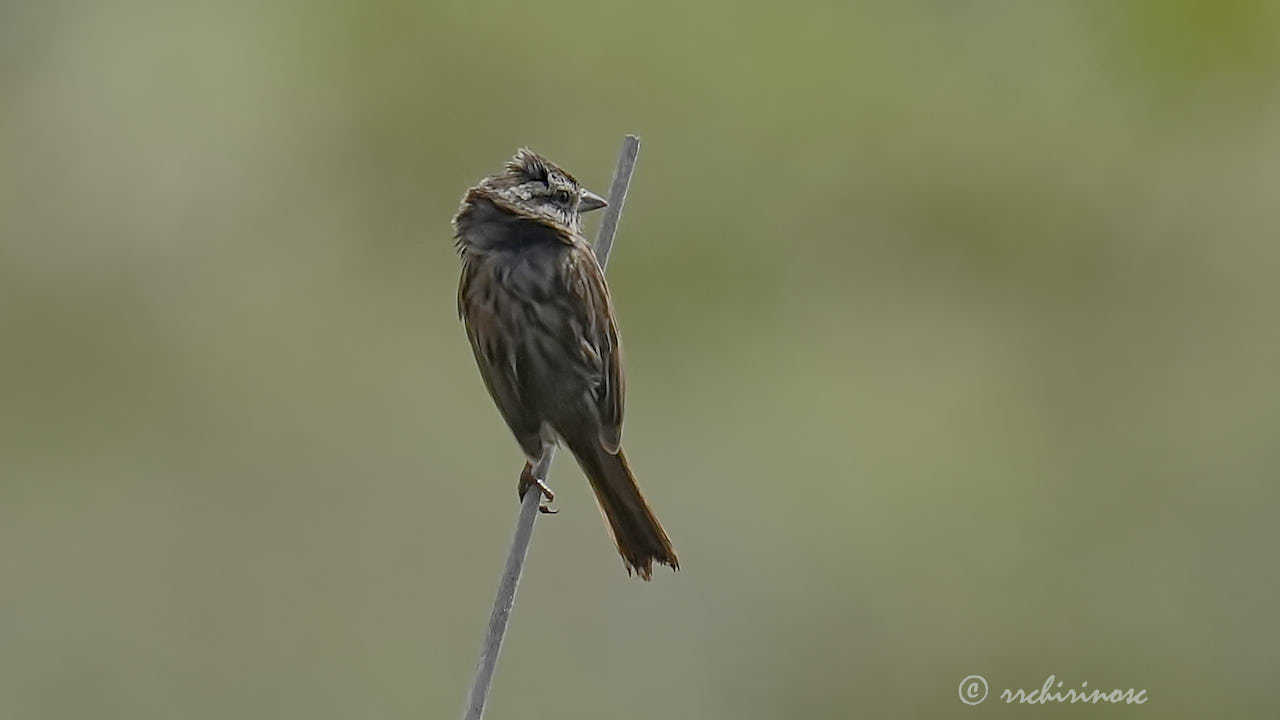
563, 196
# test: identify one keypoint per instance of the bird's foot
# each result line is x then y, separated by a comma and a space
527, 480
545, 508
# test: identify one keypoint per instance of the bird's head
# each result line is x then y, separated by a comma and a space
536, 188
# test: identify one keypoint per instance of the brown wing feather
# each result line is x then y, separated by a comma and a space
602, 336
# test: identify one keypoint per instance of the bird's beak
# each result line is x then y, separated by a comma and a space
590, 201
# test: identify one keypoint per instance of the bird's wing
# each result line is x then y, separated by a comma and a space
600, 345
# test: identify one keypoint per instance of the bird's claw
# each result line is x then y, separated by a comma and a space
528, 480
545, 508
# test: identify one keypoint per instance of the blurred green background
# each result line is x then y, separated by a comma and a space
952, 344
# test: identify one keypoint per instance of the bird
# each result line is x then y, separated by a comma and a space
538, 314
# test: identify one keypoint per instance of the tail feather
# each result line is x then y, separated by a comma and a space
636, 531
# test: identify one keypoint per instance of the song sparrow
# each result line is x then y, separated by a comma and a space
540, 321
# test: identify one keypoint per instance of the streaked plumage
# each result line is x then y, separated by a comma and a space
541, 324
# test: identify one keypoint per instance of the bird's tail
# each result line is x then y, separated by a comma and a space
636, 531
